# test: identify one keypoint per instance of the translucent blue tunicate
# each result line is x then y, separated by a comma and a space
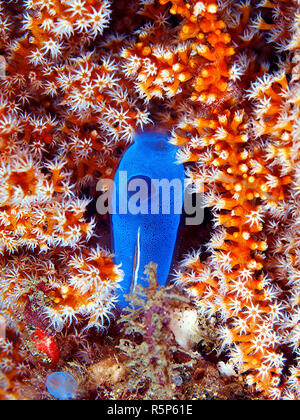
147, 207
61, 386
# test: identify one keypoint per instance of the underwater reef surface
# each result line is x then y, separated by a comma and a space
78, 78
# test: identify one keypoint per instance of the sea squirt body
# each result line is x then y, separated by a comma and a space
61, 386
146, 237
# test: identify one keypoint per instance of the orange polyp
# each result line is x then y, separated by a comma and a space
146, 51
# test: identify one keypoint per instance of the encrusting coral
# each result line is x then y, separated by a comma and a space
81, 76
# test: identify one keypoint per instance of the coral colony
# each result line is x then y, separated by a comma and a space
211, 86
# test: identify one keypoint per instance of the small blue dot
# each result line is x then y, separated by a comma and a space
61, 386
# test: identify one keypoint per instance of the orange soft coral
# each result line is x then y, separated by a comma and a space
60, 288
241, 187
231, 283
83, 88
198, 56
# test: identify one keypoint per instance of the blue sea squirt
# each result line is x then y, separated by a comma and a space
147, 206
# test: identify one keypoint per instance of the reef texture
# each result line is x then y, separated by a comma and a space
78, 78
